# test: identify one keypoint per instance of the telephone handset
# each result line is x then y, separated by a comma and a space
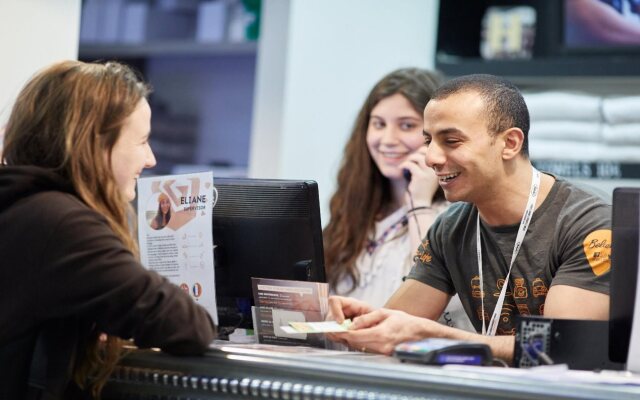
407, 174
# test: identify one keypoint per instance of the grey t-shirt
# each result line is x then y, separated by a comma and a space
568, 243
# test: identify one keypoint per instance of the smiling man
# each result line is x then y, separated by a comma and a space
546, 238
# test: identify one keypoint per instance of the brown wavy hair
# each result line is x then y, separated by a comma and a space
66, 119
363, 193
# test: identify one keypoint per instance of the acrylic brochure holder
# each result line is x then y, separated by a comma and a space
279, 302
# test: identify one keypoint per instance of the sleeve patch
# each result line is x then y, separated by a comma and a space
597, 250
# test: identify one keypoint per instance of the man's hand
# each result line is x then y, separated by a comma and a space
341, 308
381, 330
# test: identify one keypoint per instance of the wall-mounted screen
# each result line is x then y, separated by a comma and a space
605, 25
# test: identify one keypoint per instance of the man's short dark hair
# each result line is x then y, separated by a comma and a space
505, 105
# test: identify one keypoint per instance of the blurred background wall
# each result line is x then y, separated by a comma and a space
34, 34
317, 61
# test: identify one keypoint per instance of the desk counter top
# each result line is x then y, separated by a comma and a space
300, 373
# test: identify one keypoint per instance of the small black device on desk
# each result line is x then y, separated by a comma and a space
436, 351
581, 344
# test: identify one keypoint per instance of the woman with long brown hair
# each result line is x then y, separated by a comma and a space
75, 143
386, 196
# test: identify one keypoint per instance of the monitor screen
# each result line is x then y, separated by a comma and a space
265, 229
602, 25
625, 225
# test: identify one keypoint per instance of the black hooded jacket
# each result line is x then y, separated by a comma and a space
64, 273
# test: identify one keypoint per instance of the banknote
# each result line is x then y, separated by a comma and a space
317, 327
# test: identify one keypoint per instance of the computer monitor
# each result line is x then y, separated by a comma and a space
583, 30
625, 227
263, 228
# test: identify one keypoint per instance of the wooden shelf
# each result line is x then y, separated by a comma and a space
169, 48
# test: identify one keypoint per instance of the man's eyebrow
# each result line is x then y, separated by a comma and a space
444, 131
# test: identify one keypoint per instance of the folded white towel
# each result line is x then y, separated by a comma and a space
622, 133
622, 153
566, 130
582, 151
563, 105
564, 150
620, 110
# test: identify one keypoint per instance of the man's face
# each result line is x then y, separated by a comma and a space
464, 155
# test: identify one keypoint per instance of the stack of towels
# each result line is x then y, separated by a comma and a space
621, 130
564, 126
583, 127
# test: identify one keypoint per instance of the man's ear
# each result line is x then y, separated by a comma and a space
513, 139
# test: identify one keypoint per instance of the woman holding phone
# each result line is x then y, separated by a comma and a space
386, 197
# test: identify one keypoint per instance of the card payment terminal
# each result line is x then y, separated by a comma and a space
436, 351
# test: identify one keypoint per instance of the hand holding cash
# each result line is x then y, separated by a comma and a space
317, 327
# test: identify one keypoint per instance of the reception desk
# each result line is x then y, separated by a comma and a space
269, 372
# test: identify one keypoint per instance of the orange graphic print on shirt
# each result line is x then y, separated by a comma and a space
523, 309
539, 288
422, 254
499, 285
507, 312
520, 291
597, 249
482, 315
476, 290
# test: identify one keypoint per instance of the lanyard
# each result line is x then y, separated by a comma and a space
522, 231
372, 245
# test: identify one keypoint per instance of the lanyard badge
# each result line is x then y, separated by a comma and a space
522, 231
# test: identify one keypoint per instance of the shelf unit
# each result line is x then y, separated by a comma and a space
167, 49
541, 68
202, 99
552, 67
